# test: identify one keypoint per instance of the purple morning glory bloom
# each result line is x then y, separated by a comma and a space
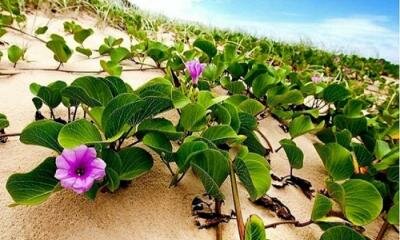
195, 69
78, 168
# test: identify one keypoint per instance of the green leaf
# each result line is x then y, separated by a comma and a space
185, 151
15, 53
159, 87
261, 84
119, 54
42, 133
206, 99
3, 121
362, 202
159, 143
113, 180
112, 159
50, 96
221, 114
253, 172
116, 85
221, 134
251, 106
355, 125
77, 133
335, 92
92, 91
294, 153
206, 46
253, 142
212, 167
132, 113
255, 71
81, 35
388, 157
337, 160
160, 125
61, 51
302, 125
254, 229
85, 51
112, 68
247, 121
179, 99
33, 187
287, 98
322, 206
341, 232
393, 214
135, 162
237, 87
157, 51
41, 30
193, 117
234, 115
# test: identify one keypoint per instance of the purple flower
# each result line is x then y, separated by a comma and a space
316, 78
195, 69
78, 168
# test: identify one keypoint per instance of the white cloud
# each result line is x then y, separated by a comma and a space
361, 34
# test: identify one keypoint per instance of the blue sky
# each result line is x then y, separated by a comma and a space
365, 27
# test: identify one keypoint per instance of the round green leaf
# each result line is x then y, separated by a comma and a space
337, 160
251, 106
253, 172
212, 167
254, 229
302, 125
158, 142
77, 133
393, 214
294, 153
33, 187
341, 232
160, 125
221, 134
43, 133
322, 206
193, 117
134, 163
15, 53
185, 151
206, 46
335, 92
362, 202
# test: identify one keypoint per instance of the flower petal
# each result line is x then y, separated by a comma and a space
83, 184
68, 182
61, 174
62, 163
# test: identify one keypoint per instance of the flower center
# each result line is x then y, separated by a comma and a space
80, 171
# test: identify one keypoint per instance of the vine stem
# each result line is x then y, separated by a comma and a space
218, 204
293, 222
23, 32
82, 71
236, 201
383, 229
266, 140
10, 135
